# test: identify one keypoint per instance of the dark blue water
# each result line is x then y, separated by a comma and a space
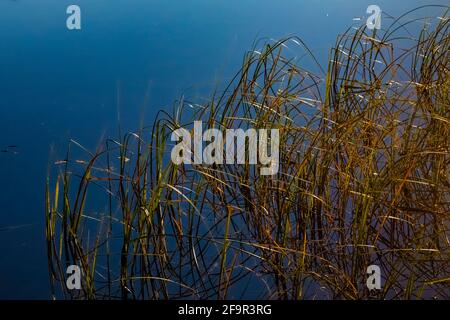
130, 59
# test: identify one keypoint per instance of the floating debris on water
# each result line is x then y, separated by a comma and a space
11, 228
10, 149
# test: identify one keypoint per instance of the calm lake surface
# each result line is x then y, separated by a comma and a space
130, 59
